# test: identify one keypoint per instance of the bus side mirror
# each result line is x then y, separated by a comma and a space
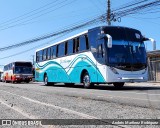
109, 43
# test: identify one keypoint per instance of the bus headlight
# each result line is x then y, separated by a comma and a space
114, 70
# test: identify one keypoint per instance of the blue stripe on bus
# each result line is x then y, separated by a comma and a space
75, 72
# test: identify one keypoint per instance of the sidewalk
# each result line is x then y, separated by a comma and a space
149, 83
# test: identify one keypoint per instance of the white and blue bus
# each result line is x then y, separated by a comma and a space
102, 55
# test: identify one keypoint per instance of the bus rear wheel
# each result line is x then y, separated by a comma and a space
45, 80
46, 83
86, 81
118, 84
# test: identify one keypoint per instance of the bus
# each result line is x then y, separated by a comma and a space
1, 76
101, 55
19, 71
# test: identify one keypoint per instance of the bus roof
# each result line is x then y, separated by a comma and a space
92, 29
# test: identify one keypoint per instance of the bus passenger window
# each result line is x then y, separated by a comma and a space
61, 50
87, 42
66, 48
53, 52
100, 51
37, 56
49, 53
77, 45
44, 54
70, 47
40, 55
82, 43
74, 45
57, 48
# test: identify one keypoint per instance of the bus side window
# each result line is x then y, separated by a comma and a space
66, 48
93, 42
70, 47
100, 51
37, 56
101, 54
53, 52
61, 50
74, 45
87, 42
82, 43
49, 53
77, 45
44, 55
40, 56
57, 48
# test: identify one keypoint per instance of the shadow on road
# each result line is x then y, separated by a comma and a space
110, 87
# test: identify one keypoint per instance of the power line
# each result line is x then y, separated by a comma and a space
27, 18
26, 14
138, 7
100, 18
84, 24
16, 54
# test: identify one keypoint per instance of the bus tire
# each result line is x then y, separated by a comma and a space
45, 80
118, 85
46, 83
27, 81
86, 80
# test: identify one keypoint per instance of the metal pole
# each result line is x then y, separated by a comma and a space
109, 13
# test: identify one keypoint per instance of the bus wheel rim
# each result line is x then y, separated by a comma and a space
45, 80
86, 80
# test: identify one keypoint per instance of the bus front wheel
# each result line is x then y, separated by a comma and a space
118, 84
46, 83
86, 81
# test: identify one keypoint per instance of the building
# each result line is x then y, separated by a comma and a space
154, 65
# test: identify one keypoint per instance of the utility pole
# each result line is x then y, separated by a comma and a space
109, 12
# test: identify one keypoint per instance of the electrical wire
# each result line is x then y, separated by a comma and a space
33, 48
68, 29
34, 16
137, 9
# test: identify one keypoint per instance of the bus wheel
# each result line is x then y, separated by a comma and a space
27, 81
45, 80
118, 85
86, 81
46, 83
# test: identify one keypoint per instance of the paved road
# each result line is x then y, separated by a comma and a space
36, 101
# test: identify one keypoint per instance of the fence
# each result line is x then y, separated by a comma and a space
154, 65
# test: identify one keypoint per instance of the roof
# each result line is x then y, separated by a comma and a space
155, 53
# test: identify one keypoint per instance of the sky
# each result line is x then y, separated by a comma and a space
28, 19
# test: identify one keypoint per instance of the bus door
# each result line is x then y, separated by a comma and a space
98, 51
101, 61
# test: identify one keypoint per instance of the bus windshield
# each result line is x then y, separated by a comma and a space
128, 51
23, 70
